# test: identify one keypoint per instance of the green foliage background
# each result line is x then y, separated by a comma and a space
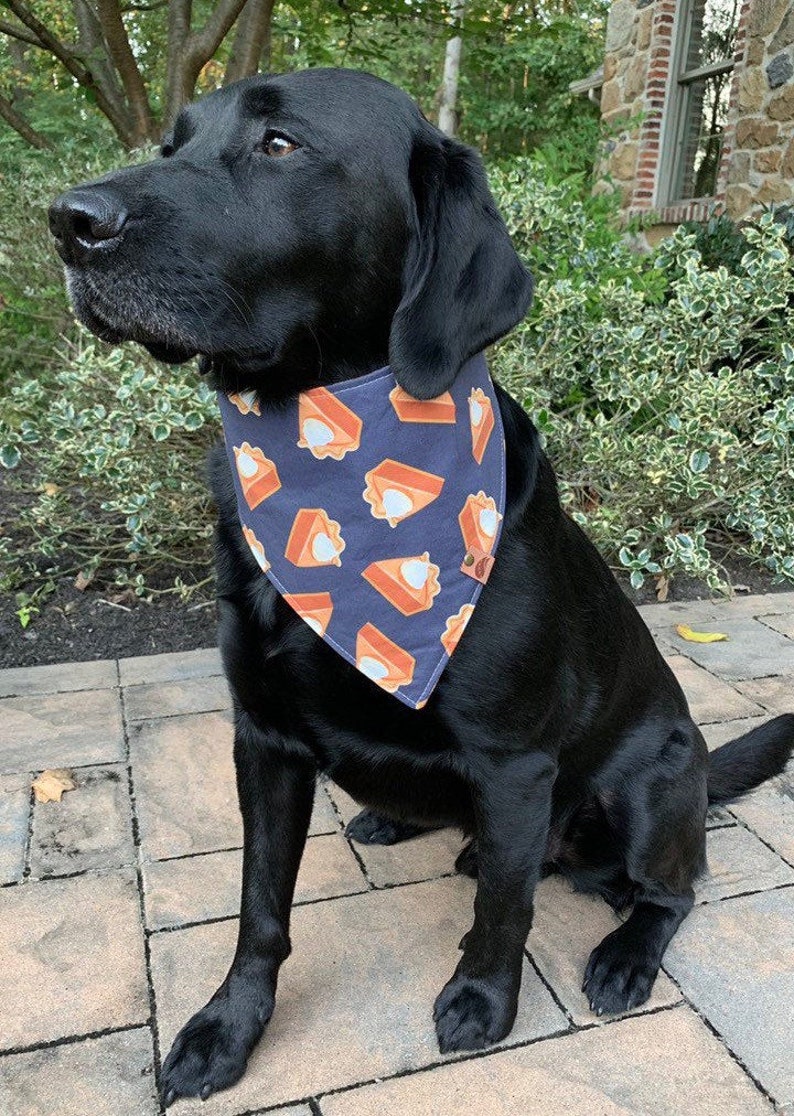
662, 384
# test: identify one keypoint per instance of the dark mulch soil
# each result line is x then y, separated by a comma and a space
98, 623
102, 624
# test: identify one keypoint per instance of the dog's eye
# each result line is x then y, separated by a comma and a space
277, 145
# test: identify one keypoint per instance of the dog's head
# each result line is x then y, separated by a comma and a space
307, 226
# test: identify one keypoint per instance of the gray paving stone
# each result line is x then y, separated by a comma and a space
774, 694
14, 811
355, 997
90, 828
782, 624
769, 811
710, 699
735, 962
60, 730
721, 732
654, 1065
567, 927
73, 960
739, 862
752, 650
324, 819
108, 1076
183, 773
172, 667
166, 699
58, 678
198, 888
707, 611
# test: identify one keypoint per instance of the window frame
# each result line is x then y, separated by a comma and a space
673, 139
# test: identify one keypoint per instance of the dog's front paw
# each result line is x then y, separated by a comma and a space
211, 1051
471, 1013
619, 975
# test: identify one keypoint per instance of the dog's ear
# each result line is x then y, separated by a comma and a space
464, 285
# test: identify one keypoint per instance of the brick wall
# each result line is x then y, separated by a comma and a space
757, 163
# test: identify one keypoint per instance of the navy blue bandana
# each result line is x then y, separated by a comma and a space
375, 515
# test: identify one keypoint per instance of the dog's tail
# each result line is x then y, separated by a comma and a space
743, 763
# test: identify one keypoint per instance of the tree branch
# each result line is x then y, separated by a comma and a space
80, 72
21, 125
118, 44
203, 44
21, 34
251, 41
176, 93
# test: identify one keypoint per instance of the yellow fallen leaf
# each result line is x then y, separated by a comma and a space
50, 785
699, 637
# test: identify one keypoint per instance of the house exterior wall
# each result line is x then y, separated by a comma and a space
757, 162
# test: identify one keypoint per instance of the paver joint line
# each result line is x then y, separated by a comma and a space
136, 839
70, 1040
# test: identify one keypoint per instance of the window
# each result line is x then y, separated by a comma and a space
698, 98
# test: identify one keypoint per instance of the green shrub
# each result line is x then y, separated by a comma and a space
663, 386
110, 450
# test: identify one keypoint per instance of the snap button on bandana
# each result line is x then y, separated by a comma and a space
377, 516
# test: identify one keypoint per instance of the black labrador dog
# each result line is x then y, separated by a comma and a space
304, 229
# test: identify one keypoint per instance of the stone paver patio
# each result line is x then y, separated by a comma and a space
118, 917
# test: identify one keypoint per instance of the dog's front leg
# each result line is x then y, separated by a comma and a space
512, 806
275, 784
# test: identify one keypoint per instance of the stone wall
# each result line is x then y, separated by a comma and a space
757, 165
626, 97
760, 165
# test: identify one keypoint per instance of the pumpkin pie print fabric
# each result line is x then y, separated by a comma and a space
371, 512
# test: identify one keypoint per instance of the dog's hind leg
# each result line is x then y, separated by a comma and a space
275, 785
660, 816
371, 828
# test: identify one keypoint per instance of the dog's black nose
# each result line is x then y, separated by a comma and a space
83, 220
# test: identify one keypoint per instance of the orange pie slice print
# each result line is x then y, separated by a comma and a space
258, 474
479, 521
327, 427
257, 549
245, 402
314, 608
482, 422
394, 491
410, 584
382, 660
315, 540
456, 626
440, 409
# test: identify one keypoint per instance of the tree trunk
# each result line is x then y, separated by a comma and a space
189, 50
448, 109
20, 125
143, 123
251, 42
